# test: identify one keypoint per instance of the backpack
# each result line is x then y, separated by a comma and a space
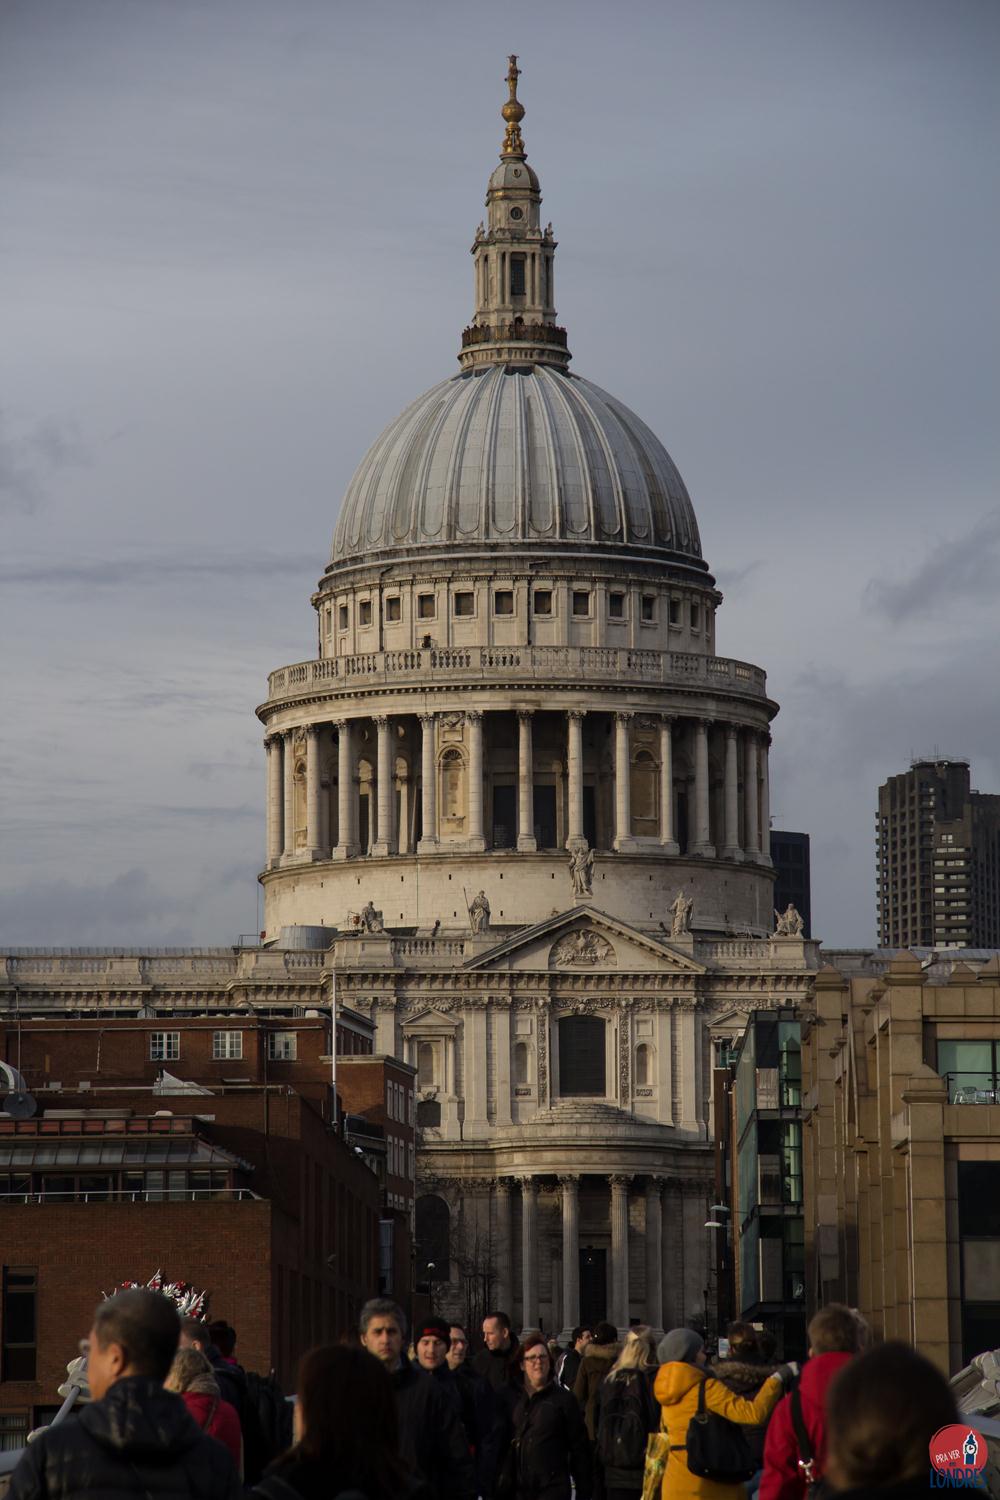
622, 1423
267, 1423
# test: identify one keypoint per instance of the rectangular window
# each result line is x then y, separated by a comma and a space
581, 1057
648, 609
675, 611
465, 605
426, 606
503, 602
394, 609
581, 604
14, 1427
543, 602
20, 1319
365, 612
517, 276
227, 1044
282, 1046
343, 617
164, 1046
616, 606
695, 617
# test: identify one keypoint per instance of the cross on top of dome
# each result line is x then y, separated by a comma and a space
513, 112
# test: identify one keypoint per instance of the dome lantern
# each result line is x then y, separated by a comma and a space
515, 317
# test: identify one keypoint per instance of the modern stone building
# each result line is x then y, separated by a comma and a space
517, 815
938, 859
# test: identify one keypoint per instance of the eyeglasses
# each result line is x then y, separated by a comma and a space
536, 1359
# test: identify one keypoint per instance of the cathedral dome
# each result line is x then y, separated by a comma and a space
514, 457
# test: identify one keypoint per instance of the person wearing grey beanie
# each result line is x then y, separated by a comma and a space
682, 1344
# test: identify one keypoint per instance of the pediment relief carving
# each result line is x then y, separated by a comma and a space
582, 949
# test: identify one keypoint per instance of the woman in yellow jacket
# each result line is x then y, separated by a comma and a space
682, 1356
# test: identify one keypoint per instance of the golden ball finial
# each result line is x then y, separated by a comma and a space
513, 112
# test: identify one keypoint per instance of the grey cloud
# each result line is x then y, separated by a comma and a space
30, 455
964, 569
69, 912
145, 571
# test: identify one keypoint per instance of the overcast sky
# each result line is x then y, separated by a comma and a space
234, 245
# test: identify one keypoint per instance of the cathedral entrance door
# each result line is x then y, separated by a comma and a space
545, 816
593, 1285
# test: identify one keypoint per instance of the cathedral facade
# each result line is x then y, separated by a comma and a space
530, 798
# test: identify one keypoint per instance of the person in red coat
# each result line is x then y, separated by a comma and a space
191, 1377
836, 1336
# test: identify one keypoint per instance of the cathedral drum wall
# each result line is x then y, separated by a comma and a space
521, 889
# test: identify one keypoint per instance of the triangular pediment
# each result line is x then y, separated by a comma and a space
430, 1022
583, 940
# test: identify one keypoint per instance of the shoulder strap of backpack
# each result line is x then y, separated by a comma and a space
807, 1457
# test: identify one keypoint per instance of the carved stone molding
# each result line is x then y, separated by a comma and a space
582, 949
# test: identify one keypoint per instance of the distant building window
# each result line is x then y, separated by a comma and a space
427, 1064
675, 611
503, 602
282, 1046
227, 1044
581, 603
365, 612
394, 609
426, 606
543, 602
343, 618
643, 1065
648, 608
695, 617
19, 1315
616, 606
14, 1428
517, 276
164, 1046
581, 1057
465, 604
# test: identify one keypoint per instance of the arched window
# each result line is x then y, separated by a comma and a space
643, 1065
426, 1065
520, 1063
645, 794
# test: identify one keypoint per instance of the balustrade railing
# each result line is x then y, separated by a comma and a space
517, 663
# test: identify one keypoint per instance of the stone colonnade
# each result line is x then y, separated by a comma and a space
744, 827
671, 1213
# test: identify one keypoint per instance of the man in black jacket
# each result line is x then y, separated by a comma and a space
494, 1362
431, 1437
134, 1438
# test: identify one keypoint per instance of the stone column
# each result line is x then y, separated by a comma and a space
619, 1252
347, 797
529, 1252
765, 801
654, 1252
313, 835
403, 831
668, 837
525, 784
288, 761
428, 789
570, 1254
504, 1259
275, 799
702, 829
574, 768
383, 789
751, 842
474, 721
623, 783
732, 848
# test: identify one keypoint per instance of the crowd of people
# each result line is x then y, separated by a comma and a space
172, 1414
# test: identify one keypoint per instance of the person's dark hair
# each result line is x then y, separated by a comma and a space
743, 1341
461, 1328
349, 1421
147, 1327
882, 1411
767, 1344
580, 1330
501, 1317
381, 1307
223, 1337
194, 1328
533, 1340
605, 1333
835, 1329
